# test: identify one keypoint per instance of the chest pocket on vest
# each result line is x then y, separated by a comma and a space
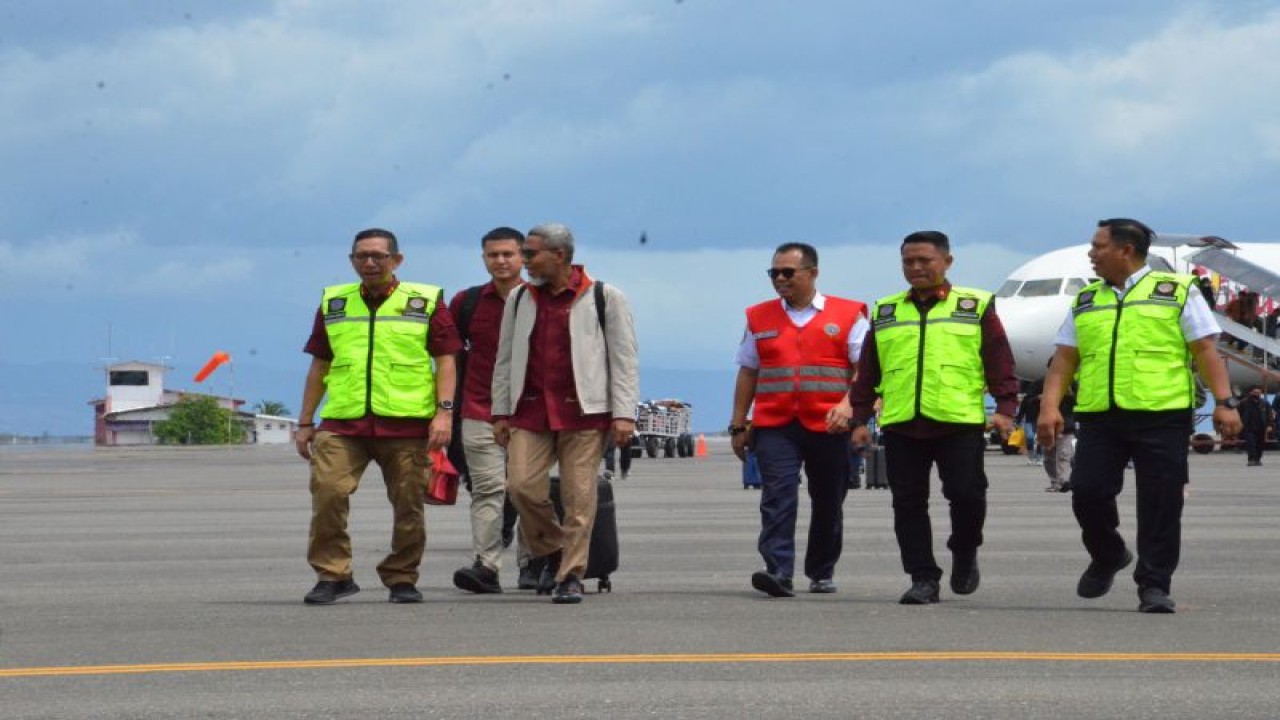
962, 368
340, 376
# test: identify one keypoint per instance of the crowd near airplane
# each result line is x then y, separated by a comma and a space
1034, 300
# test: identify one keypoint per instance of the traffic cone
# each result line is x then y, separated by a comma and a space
702, 446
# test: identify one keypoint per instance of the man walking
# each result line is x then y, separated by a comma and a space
1255, 418
478, 313
566, 374
794, 366
372, 348
1131, 338
931, 353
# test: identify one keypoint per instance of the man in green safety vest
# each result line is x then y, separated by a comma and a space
383, 353
932, 352
1132, 337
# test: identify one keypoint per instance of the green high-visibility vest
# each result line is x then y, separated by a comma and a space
380, 361
1133, 355
931, 365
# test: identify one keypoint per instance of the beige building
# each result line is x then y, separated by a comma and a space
136, 400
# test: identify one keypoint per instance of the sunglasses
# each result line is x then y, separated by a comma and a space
785, 273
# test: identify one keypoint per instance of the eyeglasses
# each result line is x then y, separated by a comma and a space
785, 273
374, 256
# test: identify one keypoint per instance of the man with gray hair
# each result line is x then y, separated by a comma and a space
566, 373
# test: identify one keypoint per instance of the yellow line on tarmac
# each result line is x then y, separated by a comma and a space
943, 656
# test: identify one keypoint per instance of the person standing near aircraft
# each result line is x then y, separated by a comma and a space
372, 348
1255, 418
567, 372
931, 353
795, 362
1132, 337
478, 312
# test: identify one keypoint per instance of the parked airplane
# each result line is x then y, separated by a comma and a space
1034, 300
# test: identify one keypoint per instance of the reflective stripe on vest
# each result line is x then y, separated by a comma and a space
931, 366
805, 371
380, 361
1133, 355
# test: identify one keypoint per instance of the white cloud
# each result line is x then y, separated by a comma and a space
1188, 107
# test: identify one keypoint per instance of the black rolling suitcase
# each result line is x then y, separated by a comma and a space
877, 473
602, 556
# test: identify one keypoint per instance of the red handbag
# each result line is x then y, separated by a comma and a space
442, 484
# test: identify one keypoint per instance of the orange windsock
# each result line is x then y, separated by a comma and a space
214, 362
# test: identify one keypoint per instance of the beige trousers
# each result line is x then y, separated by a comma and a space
487, 464
528, 481
337, 463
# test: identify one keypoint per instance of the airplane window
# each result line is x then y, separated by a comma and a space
1040, 288
1009, 288
1074, 285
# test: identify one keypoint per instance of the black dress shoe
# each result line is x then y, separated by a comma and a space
771, 584
404, 593
964, 575
1155, 600
477, 579
1097, 578
327, 592
530, 574
922, 592
568, 591
550, 568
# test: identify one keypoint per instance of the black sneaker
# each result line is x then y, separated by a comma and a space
477, 579
326, 592
568, 591
772, 585
922, 592
1097, 578
1155, 600
530, 574
550, 568
823, 586
404, 593
964, 575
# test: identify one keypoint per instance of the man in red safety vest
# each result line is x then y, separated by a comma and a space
795, 363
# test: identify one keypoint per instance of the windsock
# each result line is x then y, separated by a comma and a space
214, 362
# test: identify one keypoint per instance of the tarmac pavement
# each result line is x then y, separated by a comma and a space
168, 583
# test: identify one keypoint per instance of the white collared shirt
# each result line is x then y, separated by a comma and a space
749, 357
1197, 319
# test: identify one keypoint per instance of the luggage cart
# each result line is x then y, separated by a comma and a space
663, 426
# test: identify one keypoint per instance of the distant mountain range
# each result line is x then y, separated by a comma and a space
54, 398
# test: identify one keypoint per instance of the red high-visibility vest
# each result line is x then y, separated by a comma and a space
804, 372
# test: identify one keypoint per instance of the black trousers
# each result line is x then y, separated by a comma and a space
1158, 448
959, 457
1253, 444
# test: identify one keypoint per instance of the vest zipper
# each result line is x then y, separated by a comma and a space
1111, 362
924, 317
368, 366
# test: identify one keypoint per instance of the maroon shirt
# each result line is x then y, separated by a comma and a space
549, 402
442, 339
481, 352
997, 364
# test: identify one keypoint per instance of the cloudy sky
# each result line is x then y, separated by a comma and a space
184, 177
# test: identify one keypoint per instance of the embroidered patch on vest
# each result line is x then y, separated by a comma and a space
885, 314
416, 306
765, 334
337, 308
1165, 291
1085, 299
966, 307
831, 329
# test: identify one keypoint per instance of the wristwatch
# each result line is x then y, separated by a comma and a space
446, 405
1230, 403
737, 429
